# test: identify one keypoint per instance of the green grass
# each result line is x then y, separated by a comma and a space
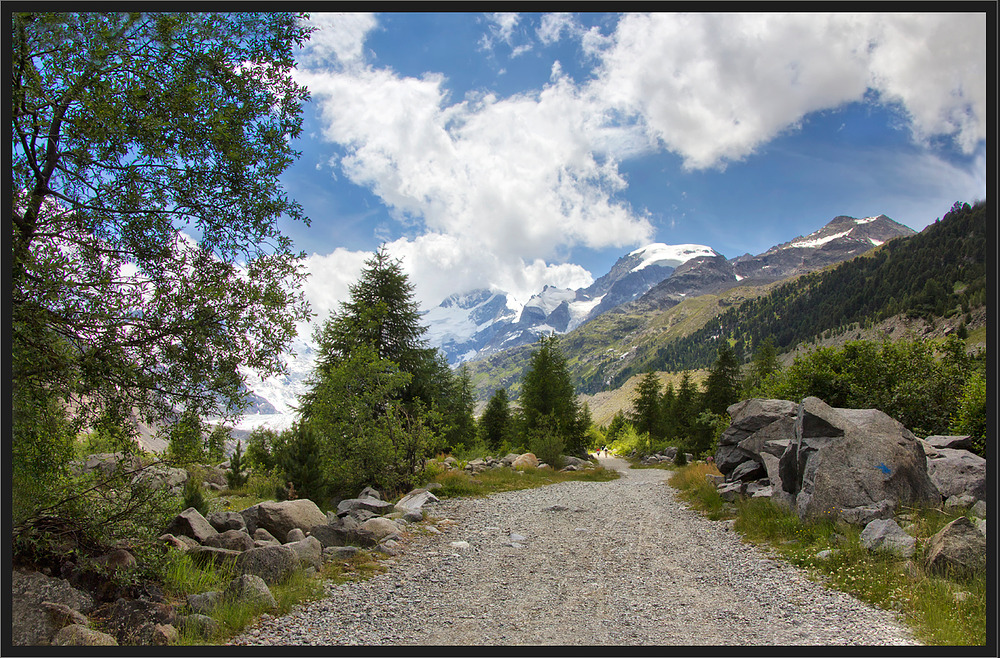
455, 483
941, 611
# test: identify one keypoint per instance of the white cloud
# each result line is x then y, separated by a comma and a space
340, 38
330, 276
554, 25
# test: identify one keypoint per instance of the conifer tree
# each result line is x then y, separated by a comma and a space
722, 386
548, 400
495, 423
646, 414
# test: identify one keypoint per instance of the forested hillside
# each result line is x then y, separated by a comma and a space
939, 272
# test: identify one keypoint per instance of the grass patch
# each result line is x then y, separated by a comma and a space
455, 483
942, 611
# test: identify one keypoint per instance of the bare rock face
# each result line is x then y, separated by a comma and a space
957, 473
958, 548
848, 458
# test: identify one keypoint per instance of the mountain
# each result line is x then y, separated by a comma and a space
478, 323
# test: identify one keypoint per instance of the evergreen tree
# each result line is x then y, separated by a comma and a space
548, 400
495, 423
765, 362
687, 406
723, 385
235, 476
646, 414
217, 443
302, 464
668, 419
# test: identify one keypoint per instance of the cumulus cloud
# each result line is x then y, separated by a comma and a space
492, 190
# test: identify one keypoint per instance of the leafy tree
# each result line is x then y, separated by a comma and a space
495, 423
146, 260
217, 443
186, 440
646, 415
970, 417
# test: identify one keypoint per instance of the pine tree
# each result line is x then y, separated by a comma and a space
646, 414
495, 423
723, 386
765, 362
548, 400
235, 477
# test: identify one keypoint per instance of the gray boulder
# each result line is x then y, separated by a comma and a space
191, 523
295, 534
200, 625
223, 521
381, 528
957, 473
205, 603
234, 540
340, 552
263, 535
748, 471
160, 476
772, 439
134, 621
31, 623
886, 535
958, 548
279, 518
415, 500
728, 457
369, 492
329, 535
957, 442
180, 543
204, 555
105, 463
78, 635
252, 590
373, 505
849, 458
308, 552
274, 564
862, 516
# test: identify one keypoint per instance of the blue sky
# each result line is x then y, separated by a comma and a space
518, 150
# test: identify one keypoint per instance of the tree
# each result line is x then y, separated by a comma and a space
646, 414
548, 400
235, 476
147, 264
686, 407
723, 385
764, 362
495, 423
217, 443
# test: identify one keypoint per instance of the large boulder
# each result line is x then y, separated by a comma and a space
772, 439
308, 551
278, 518
223, 521
729, 457
329, 535
191, 523
958, 548
756, 413
234, 540
848, 458
32, 623
527, 460
886, 535
954, 442
274, 564
367, 503
380, 528
957, 473
415, 500
251, 590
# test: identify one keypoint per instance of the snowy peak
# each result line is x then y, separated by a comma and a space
670, 255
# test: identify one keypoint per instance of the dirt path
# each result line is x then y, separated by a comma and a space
591, 563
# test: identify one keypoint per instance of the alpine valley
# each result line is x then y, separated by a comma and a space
483, 329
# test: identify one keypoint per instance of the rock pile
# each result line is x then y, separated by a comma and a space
514, 461
856, 465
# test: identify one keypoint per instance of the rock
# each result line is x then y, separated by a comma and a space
827, 553
864, 515
31, 624
981, 526
62, 615
369, 492
415, 500
730, 491
233, 540
203, 555
204, 604
308, 551
381, 528
263, 535
329, 535
413, 516
372, 505
569, 460
979, 509
158, 635
748, 471
279, 518
251, 590
181, 543
200, 625
849, 458
77, 635
957, 503
772, 439
728, 457
958, 548
133, 621
959, 442
462, 546
527, 460
885, 534
223, 521
191, 523
159, 476
294, 535
757, 490
509, 459
340, 552
105, 463
779, 496
958, 473
715, 480
273, 564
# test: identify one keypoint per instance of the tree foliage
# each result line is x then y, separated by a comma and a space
147, 265
548, 401
647, 409
495, 425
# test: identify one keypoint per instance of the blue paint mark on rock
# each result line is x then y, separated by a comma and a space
882, 467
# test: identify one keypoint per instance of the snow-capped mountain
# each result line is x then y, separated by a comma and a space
481, 322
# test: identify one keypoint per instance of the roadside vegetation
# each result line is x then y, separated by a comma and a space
941, 611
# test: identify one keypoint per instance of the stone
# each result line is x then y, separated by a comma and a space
415, 500
252, 590
958, 473
380, 528
461, 546
527, 460
204, 603
274, 564
715, 480
281, 517
204, 555
329, 535
371, 505
31, 624
223, 521
979, 509
509, 459
294, 535
369, 492
308, 551
728, 457
191, 523
757, 490
827, 553
754, 413
133, 621
233, 540
200, 625
78, 635
862, 516
748, 471
340, 552
160, 476
105, 463
260, 534
569, 460
849, 458
62, 615
885, 534
181, 543
730, 491
772, 439
117, 559
413, 516
158, 635
958, 503
958, 442
958, 548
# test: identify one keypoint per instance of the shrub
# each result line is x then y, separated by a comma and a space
194, 496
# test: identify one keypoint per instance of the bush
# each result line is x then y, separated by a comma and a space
193, 496
546, 444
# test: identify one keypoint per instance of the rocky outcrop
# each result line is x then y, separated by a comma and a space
957, 472
191, 523
32, 623
958, 549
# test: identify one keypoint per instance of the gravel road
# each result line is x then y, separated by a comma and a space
585, 563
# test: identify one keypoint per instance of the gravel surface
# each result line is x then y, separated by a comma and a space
587, 563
